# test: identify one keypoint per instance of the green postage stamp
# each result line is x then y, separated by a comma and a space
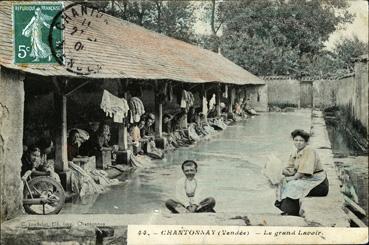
31, 26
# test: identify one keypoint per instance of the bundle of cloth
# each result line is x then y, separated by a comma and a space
192, 133
101, 177
217, 123
114, 107
171, 143
204, 130
208, 129
140, 161
154, 152
86, 183
187, 137
273, 172
137, 109
82, 182
182, 138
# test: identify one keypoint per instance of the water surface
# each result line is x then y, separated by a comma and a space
229, 169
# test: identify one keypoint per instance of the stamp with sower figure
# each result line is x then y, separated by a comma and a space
31, 24
49, 33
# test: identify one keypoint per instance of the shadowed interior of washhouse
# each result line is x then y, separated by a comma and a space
82, 110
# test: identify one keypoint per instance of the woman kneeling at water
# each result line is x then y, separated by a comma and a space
304, 175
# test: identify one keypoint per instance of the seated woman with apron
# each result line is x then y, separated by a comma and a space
304, 175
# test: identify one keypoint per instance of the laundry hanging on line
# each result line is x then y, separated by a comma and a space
137, 109
187, 99
114, 107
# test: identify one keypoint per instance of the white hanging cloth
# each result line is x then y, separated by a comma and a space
204, 106
212, 102
183, 99
114, 107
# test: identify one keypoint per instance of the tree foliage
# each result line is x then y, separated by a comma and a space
172, 18
266, 37
337, 62
280, 37
347, 50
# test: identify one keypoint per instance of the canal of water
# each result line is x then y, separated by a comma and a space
230, 167
350, 159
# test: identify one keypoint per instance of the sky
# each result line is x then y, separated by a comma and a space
359, 27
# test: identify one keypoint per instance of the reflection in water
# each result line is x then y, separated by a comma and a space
229, 168
342, 143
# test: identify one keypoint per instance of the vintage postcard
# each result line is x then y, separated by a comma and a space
184, 122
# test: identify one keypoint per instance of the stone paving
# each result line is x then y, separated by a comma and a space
324, 211
31, 229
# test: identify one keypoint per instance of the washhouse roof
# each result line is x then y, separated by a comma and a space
124, 50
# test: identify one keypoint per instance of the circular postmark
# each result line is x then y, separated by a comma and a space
78, 50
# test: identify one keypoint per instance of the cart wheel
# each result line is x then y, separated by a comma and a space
47, 189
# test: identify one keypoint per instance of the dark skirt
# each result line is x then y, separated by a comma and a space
291, 206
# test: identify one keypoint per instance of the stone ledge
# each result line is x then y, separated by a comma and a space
81, 220
28, 229
324, 211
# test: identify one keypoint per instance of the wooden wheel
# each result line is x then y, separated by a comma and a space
47, 196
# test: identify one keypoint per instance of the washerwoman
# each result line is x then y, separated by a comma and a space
305, 175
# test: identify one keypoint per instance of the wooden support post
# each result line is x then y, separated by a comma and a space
123, 136
158, 113
204, 107
122, 128
61, 155
231, 99
159, 120
219, 94
185, 123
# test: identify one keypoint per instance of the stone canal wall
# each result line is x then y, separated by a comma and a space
258, 94
350, 94
283, 92
324, 93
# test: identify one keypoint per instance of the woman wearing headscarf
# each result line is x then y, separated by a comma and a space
305, 175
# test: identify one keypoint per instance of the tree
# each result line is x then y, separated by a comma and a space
279, 37
172, 18
348, 49
214, 14
338, 62
176, 19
